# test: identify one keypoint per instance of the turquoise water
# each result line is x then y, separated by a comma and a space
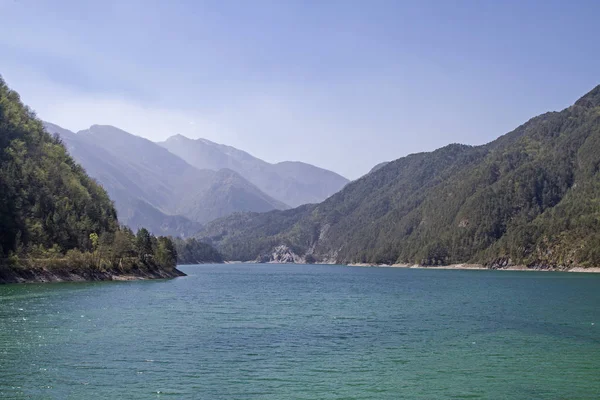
305, 332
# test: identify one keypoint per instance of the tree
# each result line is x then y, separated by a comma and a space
143, 243
165, 253
124, 244
94, 240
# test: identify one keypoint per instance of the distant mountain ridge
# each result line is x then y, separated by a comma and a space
291, 182
528, 198
155, 188
125, 189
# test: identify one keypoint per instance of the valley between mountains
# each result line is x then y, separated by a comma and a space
176, 186
528, 198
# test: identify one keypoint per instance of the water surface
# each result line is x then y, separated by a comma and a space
305, 332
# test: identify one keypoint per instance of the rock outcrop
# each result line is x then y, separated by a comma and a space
282, 254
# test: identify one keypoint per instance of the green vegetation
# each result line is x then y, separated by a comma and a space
530, 197
192, 251
52, 214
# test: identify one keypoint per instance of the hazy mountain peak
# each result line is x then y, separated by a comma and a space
291, 182
153, 187
206, 141
55, 129
296, 163
178, 138
107, 130
104, 128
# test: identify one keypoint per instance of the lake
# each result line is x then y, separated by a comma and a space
245, 331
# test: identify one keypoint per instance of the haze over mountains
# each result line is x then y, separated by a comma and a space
293, 183
155, 188
529, 197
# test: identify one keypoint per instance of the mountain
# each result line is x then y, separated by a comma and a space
46, 199
378, 166
126, 186
57, 223
528, 198
154, 188
292, 183
141, 214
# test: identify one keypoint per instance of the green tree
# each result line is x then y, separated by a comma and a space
165, 253
94, 240
124, 244
143, 243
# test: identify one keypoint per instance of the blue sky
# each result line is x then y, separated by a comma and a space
340, 84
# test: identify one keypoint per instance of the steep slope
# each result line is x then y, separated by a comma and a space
141, 214
155, 172
214, 194
529, 197
155, 188
57, 223
127, 186
46, 199
292, 183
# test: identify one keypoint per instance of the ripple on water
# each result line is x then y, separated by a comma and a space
310, 332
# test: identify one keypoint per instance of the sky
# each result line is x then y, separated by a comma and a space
342, 84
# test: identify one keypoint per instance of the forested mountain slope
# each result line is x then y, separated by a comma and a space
46, 199
57, 223
292, 183
530, 197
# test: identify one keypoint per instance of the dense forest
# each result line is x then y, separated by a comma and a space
531, 197
54, 216
192, 251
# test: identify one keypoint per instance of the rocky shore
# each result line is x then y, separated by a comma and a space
41, 274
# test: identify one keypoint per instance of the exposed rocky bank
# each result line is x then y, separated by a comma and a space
42, 274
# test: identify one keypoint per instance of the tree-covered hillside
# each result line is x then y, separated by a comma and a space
530, 197
52, 214
191, 251
46, 199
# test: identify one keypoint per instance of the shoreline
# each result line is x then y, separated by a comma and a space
463, 266
479, 267
10, 275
